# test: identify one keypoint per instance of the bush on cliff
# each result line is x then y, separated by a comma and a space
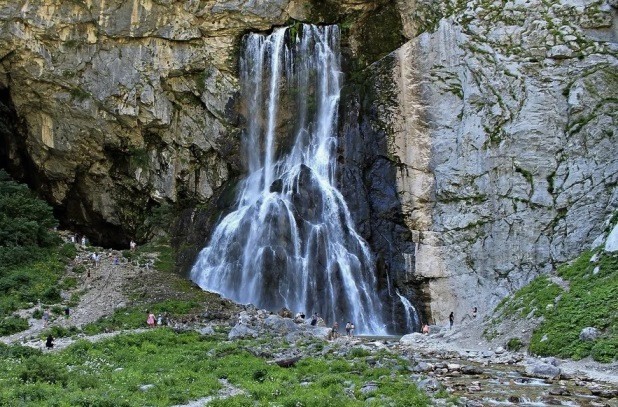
30, 266
591, 300
25, 222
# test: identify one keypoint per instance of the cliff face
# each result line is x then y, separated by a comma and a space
118, 107
474, 157
501, 128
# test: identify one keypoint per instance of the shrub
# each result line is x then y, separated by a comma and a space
359, 353
57, 309
41, 369
68, 251
514, 344
17, 351
69, 282
260, 375
25, 221
13, 324
29, 263
60, 332
79, 269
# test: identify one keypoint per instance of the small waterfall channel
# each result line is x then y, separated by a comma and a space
291, 242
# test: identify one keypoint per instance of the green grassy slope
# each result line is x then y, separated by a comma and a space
589, 299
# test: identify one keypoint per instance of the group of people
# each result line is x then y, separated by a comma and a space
76, 239
153, 321
451, 320
316, 320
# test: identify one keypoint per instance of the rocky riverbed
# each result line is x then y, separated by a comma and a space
441, 366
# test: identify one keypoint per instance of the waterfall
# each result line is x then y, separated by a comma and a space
411, 313
291, 242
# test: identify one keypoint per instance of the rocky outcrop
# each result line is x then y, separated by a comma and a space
121, 107
500, 130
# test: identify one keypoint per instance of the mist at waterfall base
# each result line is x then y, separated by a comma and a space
291, 241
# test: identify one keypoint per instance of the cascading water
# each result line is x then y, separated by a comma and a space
291, 241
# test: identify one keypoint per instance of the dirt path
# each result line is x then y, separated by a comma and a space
100, 288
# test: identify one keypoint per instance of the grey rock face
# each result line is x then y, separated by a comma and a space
611, 244
124, 107
500, 145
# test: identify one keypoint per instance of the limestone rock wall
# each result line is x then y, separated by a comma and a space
474, 157
502, 125
125, 106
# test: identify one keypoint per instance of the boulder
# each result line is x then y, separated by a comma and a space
423, 367
369, 387
410, 339
278, 325
588, 334
542, 370
242, 331
611, 244
207, 330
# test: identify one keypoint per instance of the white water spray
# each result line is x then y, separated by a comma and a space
291, 240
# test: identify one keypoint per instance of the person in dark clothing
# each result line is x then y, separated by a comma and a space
314, 319
451, 319
49, 343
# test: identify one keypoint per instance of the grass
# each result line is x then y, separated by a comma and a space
135, 317
536, 298
176, 368
160, 250
26, 285
590, 301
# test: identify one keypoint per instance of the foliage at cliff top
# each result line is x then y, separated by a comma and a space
30, 262
163, 368
590, 299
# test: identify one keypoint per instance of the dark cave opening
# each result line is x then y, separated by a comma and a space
71, 214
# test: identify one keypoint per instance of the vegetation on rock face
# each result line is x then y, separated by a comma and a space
589, 299
162, 368
31, 258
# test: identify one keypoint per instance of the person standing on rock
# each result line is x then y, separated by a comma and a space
150, 320
67, 312
474, 311
335, 330
451, 319
49, 343
45, 317
349, 329
132, 245
83, 241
